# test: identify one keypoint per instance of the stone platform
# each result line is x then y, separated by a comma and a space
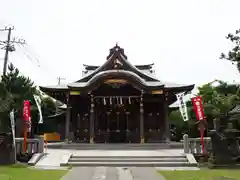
173, 158
115, 146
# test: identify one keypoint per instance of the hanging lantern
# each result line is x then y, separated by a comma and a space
110, 100
104, 101
121, 101
129, 100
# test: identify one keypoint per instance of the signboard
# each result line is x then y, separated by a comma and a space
75, 92
199, 111
198, 107
13, 132
182, 106
26, 110
27, 121
38, 103
12, 125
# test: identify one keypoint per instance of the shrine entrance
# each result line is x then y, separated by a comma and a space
117, 109
116, 119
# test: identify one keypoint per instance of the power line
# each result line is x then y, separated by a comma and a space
33, 59
26, 48
31, 55
8, 46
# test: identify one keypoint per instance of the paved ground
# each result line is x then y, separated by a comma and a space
113, 173
160, 152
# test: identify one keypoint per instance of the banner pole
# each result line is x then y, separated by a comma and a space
25, 138
202, 140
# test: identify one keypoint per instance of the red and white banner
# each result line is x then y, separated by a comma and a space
198, 107
26, 110
199, 111
27, 114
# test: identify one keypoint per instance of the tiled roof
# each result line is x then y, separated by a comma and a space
115, 72
236, 109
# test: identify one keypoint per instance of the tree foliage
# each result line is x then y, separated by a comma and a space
218, 100
14, 89
234, 54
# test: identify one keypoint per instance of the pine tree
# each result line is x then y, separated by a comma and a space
14, 89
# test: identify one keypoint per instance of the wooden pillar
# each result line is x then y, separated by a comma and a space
91, 124
166, 121
78, 121
141, 119
67, 119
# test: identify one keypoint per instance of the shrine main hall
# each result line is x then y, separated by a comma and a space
117, 102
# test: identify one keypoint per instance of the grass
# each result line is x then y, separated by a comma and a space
20, 172
205, 174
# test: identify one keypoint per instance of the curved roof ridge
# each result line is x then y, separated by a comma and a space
96, 70
118, 71
115, 73
136, 69
123, 74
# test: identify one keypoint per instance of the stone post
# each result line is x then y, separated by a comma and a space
40, 144
142, 139
91, 124
216, 124
67, 120
185, 143
166, 122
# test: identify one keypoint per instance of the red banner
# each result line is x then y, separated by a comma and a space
27, 121
26, 110
198, 107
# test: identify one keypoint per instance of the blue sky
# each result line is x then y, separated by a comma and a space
183, 38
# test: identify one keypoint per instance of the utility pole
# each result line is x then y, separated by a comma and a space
9, 46
59, 80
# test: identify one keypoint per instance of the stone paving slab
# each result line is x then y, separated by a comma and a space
79, 173
177, 168
112, 173
145, 173
99, 173
124, 174
53, 158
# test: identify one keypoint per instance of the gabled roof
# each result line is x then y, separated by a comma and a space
140, 67
117, 53
132, 77
117, 66
235, 110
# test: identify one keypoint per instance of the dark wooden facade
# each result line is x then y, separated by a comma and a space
117, 102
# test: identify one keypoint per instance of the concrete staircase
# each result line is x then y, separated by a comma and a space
137, 161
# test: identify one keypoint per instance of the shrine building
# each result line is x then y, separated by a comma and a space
117, 102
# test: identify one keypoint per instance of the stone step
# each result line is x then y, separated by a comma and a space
130, 156
126, 159
135, 164
135, 146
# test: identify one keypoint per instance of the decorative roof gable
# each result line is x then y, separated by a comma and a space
117, 60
